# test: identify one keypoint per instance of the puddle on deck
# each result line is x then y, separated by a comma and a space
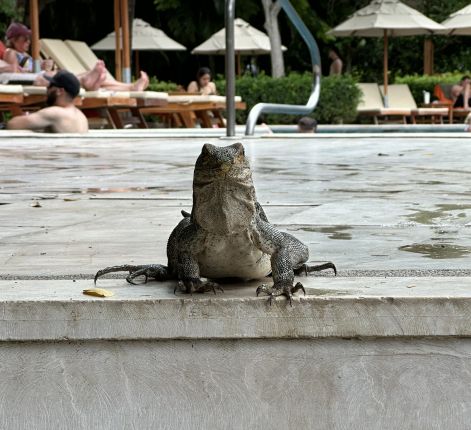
437, 251
443, 211
43, 156
336, 232
93, 190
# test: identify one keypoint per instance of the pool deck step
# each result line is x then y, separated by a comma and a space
57, 310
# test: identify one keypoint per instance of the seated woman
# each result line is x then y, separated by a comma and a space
203, 84
18, 42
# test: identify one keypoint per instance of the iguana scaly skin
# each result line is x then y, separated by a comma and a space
227, 234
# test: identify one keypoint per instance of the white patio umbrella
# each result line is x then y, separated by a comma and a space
459, 23
144, 38
384, 18
247, 41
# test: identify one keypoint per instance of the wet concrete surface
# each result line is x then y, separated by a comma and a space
388, 204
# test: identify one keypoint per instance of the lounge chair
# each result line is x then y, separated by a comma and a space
147, 102
11, 98
185, 109
62, 55
108, 103
401, 104
84, 54
443, 94
400, 97
200, 105
372, 105
11, 94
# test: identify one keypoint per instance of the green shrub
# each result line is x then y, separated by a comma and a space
337, 104
420, 83
156, 85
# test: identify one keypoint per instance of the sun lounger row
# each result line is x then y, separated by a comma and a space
402, 105
77, 57
184, 109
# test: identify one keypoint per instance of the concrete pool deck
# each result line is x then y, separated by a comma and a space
71, 206
384, 345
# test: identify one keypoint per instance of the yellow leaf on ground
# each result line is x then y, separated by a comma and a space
98, 292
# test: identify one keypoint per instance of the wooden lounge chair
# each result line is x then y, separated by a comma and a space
116, 106
186, 109
84, 54
443, 94
62, 56
109, 104
400, 97
11, 98
205, 109
372, 105
34, 97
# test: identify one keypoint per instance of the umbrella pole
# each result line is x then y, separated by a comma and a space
117, 32
126, 47
385, 67
34, 18
238, 64
136, 59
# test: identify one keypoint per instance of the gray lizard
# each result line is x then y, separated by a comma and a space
227, 234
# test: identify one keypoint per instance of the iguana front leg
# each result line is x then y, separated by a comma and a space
188, 244
288, 255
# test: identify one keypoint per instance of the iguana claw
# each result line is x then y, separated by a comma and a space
190, 286
306, 268
153, 271
284, 290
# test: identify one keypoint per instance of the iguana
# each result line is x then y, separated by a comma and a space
227, 234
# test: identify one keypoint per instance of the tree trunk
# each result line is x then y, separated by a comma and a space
271, 9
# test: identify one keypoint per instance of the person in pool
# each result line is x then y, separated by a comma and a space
17, 57
203, 84
307, 125
61, 115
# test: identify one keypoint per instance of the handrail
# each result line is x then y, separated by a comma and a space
260, 108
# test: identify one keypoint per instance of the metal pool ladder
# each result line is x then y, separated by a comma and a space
260, 108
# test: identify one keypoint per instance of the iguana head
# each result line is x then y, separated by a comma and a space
223, 191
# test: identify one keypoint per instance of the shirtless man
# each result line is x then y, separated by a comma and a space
461, 93
61, 116
336, 64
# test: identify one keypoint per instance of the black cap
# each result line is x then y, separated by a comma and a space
66, 80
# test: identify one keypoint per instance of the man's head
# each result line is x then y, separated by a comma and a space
333, 53
63, 88
465, 80
307, 125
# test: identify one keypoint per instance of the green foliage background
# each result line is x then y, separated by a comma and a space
191, 22
420, 83
9, 11
296, 89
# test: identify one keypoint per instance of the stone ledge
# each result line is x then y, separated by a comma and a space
55, 310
